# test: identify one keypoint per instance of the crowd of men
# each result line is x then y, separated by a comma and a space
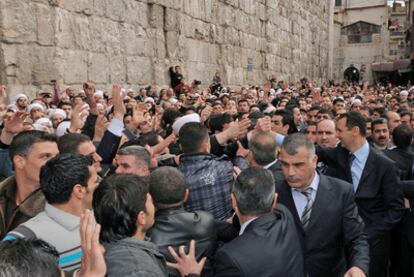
273, 180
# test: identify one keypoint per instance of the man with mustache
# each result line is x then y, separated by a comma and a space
380, 133
325, 213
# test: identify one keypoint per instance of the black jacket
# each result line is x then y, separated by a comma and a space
269, 247
335, 229
404, 159
379, 195
175, 227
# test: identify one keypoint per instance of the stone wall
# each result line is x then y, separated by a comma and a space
134, 42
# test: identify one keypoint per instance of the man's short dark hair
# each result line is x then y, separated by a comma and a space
402, 136
337, 100
69, 143
116, 203
287, 119
254, 190
263, 148
24, 141
216, 121
355, 119
60, 174
378, 121
191, 136
33, 257
167, 187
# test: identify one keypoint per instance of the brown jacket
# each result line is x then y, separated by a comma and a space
30, 207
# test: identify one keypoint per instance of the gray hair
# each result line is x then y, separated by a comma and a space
263, 148
254, 191
293, 142
140, 153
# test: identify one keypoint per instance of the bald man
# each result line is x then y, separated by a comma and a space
326, 133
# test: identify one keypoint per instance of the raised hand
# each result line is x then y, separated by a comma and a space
93, 262
119, 107
13, 123
186, 263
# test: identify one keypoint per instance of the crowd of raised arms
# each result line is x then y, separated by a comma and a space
281, 179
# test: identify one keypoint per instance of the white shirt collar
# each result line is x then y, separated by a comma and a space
244, 225
269, 165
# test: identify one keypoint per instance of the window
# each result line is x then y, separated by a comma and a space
360, 32
338, 3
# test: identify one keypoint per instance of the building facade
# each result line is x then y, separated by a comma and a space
134, 42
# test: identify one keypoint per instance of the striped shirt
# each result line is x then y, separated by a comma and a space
58, 228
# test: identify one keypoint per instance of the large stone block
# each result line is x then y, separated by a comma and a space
18, 21
43, 67
156, 16
45, 19
117, 69
139, 70
75, 66
98, 68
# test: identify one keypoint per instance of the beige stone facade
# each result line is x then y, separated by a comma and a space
362, 54
134, 42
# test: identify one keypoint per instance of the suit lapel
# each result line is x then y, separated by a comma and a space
321, 203
286, 198
344, 164
368, 168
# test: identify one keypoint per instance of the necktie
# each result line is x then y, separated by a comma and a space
308, 208
355, 180
351, 159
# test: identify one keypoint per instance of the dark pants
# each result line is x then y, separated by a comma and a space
378, 265
405, 267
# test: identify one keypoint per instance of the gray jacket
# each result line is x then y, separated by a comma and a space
131, 257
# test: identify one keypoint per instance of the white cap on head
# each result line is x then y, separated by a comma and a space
58, 112
149, 99
356, 101
98, 93
12, 107
44, 121
35, 105
22, 95
173, 100
194, 117
62, 128
403, 93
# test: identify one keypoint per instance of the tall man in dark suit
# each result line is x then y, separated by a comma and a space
267, 244
378, 193
325, 213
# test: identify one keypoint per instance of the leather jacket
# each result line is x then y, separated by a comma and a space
175, 227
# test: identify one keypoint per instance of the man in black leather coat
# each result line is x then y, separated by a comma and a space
173, 225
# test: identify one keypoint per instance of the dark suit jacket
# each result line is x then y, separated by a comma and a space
269, 247
379, 195
335, 229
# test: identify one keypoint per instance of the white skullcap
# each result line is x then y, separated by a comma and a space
12, 107
58, 112
22, 95
403, 93
278, 91
173, 100
356, 101
98, 93
35, 105
62, 127
85, 106
194, 117
44, 121
149, 99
